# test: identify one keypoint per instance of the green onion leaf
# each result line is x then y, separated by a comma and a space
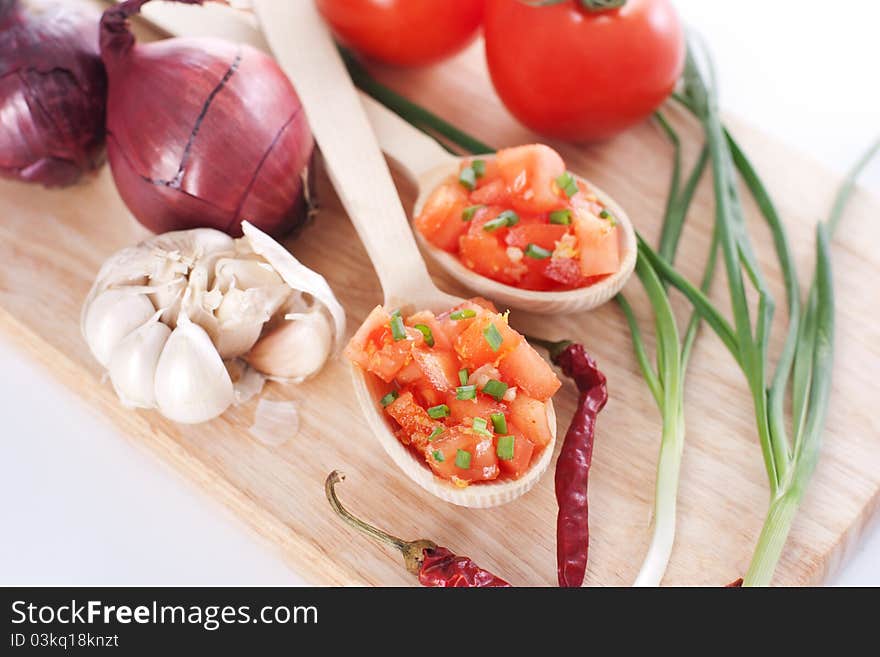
463, 459
390, 397
466, 392
479, 167
436, 432
499, 422
493, 337
468, 178
505, 448
425, 330
398, 332
537, 252
495, 388
561, 217
481, 426
468, 213
466, 313
567, 184
463, 376
437, 412
504, 220
438, 456
604, 214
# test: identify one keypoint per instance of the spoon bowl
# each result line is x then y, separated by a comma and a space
354, 162
428, 165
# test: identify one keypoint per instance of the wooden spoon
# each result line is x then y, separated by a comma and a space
428, 165
306, 52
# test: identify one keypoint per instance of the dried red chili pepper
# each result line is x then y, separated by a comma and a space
735, 584
434, 565
573, 464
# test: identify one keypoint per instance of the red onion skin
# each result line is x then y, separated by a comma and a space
203, 132
52, 94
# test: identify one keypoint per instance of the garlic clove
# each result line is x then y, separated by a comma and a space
191, 383
297, 275
244, 274
111, 316
133, 364
296, 349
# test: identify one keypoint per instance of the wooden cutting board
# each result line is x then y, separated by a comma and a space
53, 242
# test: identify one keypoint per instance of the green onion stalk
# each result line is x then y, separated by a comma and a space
804, 366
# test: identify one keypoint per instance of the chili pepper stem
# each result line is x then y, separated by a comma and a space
553, 348
413, 551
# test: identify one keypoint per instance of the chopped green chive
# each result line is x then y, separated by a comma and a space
466, 392
567, 184
495, 388
438, 456
479, 167
425, 330
468, 213
387, 399
466, 313
436, 432
463, 459
398, 331
505, 448
499, 422
503, 220
437, 412
561, 217
604, 214
463, 376
537, 252
468, 178
493, 337
481, 426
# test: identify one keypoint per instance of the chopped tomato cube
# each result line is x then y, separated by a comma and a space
427, 395
414, 419
440, 368
427, 318
491, 193
565, 271
442, 453
543, 235
530, 174
374, 348
523, 449
490, 172
409, 374
486, 340
487, 255
599, 244
529, 372
530, 416
453, 327
462, 411
440, 220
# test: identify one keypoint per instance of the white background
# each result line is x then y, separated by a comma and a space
80, 505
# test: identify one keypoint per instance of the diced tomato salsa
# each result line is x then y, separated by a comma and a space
521, 219
462, 390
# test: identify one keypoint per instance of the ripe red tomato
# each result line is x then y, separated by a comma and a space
403, 32
581, 75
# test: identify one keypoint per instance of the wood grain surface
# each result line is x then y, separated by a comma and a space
53, 242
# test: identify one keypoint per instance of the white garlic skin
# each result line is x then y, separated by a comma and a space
296, 349
191, 382
111, 316
133, 365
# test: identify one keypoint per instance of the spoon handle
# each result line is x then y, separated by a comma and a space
357, 169
409, 147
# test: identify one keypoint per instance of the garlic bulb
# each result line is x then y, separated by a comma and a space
169, 317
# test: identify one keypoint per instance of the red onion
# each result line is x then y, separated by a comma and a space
203, 132
52, 94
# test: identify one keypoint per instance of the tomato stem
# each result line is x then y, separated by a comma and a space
594, 6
